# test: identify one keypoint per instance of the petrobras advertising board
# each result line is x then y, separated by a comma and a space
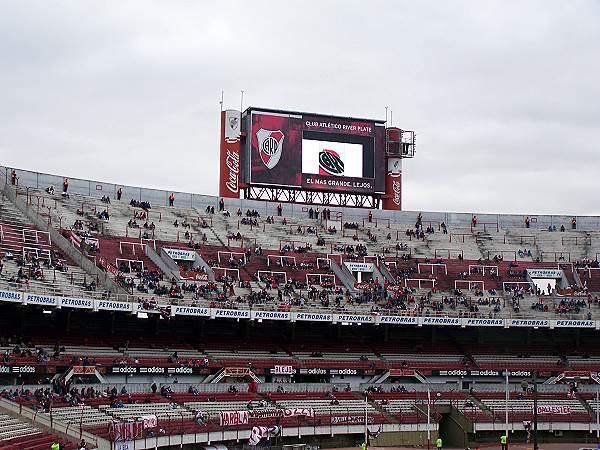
545, 273
398, 320
113, 305
85, 303
40, 299
312, 317
359, 267
189, 311
180, 254
529, 323
11, 296
270, 315
354, 318
445, 321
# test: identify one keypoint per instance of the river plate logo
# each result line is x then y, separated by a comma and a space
270, 145
330, 163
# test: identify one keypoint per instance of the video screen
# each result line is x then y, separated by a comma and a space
332, 158
315, 152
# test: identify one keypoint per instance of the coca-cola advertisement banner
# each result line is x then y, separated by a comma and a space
229, 180
315, 152
393, 185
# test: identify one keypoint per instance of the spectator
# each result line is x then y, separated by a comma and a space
13, 177
279, 209
527, 222
574, 223
171, 199
119, 194
65, 185
221, 205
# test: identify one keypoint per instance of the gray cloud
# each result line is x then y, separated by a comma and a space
503, 95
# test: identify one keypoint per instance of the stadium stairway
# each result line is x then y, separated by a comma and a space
483, 407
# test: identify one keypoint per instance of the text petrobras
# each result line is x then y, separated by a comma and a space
248, 314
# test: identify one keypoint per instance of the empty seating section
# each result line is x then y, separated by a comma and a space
17, 434
522, 408
31, 261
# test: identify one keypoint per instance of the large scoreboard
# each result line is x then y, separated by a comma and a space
310, 158
314, 152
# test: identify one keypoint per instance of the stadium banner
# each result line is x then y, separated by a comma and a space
243, 417
358, 266
312, 317
402, 372
155, 370
189, 311
480, 373
38, 299
227, 418
392, 199
113, 305
84, 303
353, 318
446, 321
483, 322
84, 370
351, 420
270, 315
545, 273
230, 313
529, 323
398, 320
149, 421
283, 370
180, 254
11, 296
126, 431
6, 369
564, 323
554, 409
230, 157
176, 310
325, 371
102, 262
316, 152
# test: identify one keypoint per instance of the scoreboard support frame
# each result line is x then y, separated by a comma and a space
318, 198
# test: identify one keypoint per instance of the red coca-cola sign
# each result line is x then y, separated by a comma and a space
393, 185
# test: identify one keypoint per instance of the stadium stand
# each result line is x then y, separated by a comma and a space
246, 310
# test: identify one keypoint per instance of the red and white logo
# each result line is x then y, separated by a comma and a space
394, 167
270, 145
330, 162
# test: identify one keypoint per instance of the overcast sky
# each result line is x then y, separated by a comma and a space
504, 95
